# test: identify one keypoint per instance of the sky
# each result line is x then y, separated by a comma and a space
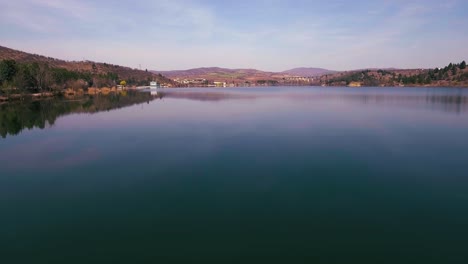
272, 35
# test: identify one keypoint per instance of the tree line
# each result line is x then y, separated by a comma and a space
16, 77
452, 72
363, 76
449, 72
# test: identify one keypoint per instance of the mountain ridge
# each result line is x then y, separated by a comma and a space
205, 75
309, 71
300, 71
207, 70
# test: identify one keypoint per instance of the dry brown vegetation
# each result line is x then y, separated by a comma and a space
95, 68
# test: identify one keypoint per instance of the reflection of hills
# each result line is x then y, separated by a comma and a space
456, 103
447, 101
14, 117
207, 96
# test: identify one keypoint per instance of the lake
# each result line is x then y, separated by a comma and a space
241, 175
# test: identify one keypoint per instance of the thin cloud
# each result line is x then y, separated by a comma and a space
43, 16
69, 8
270, 35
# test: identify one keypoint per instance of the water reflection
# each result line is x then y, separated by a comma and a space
212, 95
453, 103
294, 171
17, 116
444, 99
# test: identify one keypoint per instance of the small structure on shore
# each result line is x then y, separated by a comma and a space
354, 84
220, 84
154, 85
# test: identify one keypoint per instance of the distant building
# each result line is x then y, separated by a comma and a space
220, 84
297, 79
154, 85
354, 84
195, 82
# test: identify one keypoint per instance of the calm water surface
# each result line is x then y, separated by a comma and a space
259, 175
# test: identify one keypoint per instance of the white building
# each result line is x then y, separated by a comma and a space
154, 85
220, 84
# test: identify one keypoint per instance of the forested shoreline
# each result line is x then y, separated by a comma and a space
452, 75
38, 77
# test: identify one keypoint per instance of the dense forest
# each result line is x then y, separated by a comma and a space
451, 75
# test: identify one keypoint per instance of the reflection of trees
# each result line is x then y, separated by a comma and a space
455, 103
14, 117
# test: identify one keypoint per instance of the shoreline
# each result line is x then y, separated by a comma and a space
108, 91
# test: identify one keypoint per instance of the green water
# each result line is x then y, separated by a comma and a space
259, 175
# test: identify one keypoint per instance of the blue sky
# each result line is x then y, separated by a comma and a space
270, 35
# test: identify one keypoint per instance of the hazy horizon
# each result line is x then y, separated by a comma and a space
266, 35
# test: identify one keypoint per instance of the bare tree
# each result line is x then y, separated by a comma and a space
41, 75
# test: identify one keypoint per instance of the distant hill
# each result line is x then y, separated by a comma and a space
96, 68
240, 76
308, 72
452, 75
214, 72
